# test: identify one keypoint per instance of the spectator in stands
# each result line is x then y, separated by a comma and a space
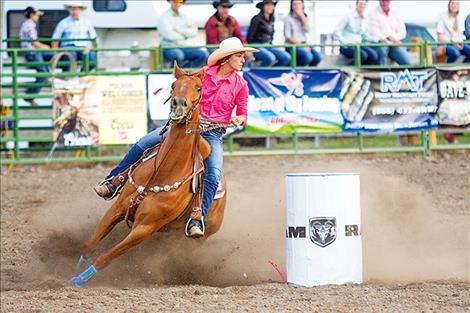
296, 27
75, 27
449, 30
28, 31
388, 28
222, 25
176, 29
354, 28
467, 27
261, 31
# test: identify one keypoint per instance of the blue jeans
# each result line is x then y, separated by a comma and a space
213, 164
273, 57
78, 55
190, 57
453, 53
368, 55
40, 56
397, 54
307, 56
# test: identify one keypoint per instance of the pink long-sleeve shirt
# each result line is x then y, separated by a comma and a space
383, 25
220, 97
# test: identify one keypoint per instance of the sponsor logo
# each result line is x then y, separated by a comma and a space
392, 82
296, 232
322, 230
292, 81
301, 231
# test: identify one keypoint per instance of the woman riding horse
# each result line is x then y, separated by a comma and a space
222, 90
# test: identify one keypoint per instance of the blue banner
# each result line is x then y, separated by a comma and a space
284, 101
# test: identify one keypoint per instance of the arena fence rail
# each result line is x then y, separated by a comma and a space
33, 144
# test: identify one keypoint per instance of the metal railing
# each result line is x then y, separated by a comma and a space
10, 146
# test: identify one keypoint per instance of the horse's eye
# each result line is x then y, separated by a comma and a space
199, 89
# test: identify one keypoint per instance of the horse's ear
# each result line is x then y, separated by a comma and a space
200, 74
177, 71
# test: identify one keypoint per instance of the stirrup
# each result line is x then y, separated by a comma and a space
191, 223
113, 190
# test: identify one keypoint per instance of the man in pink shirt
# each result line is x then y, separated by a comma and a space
223, 92
388, 28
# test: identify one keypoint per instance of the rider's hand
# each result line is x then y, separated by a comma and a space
237, 120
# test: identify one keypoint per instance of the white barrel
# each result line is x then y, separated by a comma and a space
323, 233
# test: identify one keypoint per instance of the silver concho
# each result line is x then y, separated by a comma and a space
140, 189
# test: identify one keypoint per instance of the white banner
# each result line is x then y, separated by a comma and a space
158, 91
323, 233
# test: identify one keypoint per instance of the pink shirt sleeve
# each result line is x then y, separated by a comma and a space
399, 28
374, 26
241, 101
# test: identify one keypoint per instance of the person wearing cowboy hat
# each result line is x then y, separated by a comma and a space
223, 92
176, 29
29, 32
76, 26
222, 25
261, 31
296, 27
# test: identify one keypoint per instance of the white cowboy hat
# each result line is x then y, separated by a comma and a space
228, 47
75, 4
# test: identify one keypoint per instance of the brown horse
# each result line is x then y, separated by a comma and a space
165, 182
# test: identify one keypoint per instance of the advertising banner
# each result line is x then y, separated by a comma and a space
99, 110
158, 91
323, 231
123, 117
454, 96
283, 101
76, 111
391, 100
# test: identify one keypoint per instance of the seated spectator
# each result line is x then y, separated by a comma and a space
28, 31
222, 25
296, 27
449, 30
75, 27
176, 29
261, 30
387, 27
467, 27
354, 28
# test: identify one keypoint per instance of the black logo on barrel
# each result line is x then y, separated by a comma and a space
322, 230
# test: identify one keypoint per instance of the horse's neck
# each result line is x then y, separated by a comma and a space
177, 148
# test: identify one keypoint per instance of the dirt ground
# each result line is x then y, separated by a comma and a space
415, 232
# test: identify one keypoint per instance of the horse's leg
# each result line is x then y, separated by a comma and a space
138, 234
148, 219
114, 215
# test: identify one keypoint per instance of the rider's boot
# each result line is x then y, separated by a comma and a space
105, 189
195, 225
109, 189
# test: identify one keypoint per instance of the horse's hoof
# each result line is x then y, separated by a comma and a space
77, 282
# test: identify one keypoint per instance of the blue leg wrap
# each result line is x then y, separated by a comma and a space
82, 262
84, 276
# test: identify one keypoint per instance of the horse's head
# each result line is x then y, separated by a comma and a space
185, 94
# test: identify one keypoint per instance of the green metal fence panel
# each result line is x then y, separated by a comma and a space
157, 64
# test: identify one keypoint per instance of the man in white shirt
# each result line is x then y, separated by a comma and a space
76, 27
388, 28
176, 29
354, 28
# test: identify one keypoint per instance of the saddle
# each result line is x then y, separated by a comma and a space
196, 185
